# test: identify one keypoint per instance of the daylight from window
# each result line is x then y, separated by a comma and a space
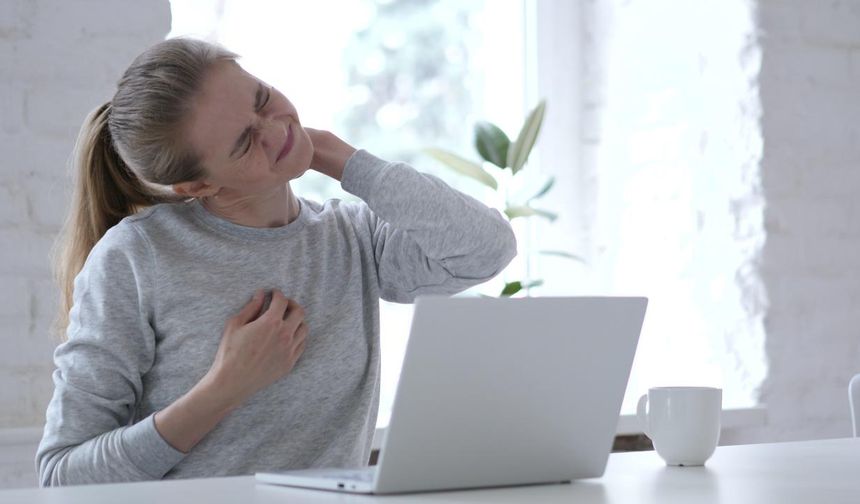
679, 212
676, 210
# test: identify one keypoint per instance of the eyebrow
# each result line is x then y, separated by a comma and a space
258, 103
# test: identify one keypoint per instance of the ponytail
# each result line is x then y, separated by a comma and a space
105, 192
130, 149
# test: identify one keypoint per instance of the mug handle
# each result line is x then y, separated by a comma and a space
642, 416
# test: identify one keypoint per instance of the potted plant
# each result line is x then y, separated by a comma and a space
509, 158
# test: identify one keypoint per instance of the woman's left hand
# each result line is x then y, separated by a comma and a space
330, 153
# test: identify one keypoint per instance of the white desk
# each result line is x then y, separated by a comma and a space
818, 472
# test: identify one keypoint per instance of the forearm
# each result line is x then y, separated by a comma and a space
190, 418
130, 453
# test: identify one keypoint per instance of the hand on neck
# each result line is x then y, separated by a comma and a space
264, 210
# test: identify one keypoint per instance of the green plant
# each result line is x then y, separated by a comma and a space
496, 149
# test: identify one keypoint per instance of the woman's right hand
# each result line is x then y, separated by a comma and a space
257, 349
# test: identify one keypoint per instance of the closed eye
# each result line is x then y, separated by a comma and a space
268, 96
261, 99
248, 143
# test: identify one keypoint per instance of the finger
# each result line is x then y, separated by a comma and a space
295, 315
298, 350
277, 306
249, 311
290, 334
301, 333
267, 300
291, 305
264, 305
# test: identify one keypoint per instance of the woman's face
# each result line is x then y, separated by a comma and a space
248, 134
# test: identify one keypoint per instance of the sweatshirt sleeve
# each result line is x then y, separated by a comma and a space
427, 238
89, 434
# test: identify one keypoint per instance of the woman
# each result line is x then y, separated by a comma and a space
169, 371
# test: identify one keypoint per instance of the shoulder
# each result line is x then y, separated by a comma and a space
119, 260
151, 226
163, 214
128, 241
120, 249
334, 209
340, 218
124, 236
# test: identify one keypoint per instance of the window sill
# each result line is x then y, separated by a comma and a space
730, 419
629, 426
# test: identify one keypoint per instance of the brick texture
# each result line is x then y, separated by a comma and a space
811, 170
59, 60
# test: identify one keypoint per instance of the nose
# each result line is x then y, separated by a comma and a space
272, 136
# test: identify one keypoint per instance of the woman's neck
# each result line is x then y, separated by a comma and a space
272, 209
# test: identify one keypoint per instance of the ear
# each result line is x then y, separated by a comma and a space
195, 189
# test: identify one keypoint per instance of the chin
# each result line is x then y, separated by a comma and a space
298, 167
298, 174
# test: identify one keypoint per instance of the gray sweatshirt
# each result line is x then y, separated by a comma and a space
151, 302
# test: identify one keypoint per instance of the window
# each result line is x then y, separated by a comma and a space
667, 190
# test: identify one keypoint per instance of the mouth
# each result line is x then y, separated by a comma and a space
288, 144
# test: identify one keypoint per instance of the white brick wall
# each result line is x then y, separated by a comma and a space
58, 60
810, 92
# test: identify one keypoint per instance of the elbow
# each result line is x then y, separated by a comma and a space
499, 254
46, 470
510, 248
50, 467
507, 246
46, 480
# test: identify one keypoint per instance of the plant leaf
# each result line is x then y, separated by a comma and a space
526, 211
545, 189
562, 253
519, 151
463, 166
512, 288
492, 143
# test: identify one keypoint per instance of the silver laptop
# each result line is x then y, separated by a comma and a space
499, 392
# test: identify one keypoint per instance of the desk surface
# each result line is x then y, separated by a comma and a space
801, 472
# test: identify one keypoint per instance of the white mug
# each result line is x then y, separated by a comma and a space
682, 422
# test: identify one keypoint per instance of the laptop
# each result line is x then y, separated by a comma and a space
499, 392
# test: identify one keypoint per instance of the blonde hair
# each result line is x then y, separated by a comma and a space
129, 149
